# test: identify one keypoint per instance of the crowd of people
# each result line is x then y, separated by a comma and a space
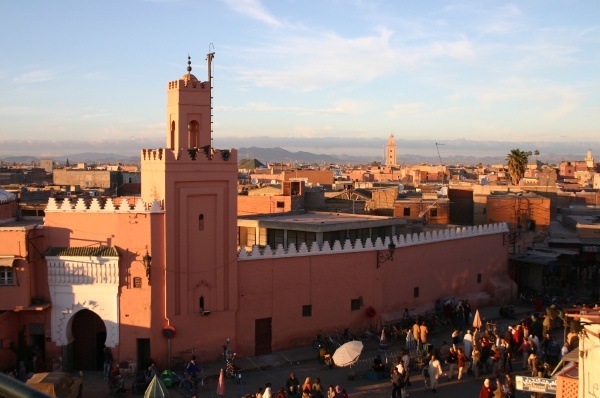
311, 388
526, 345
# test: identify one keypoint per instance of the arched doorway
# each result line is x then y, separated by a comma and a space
89, 335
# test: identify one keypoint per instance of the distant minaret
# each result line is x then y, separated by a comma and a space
589, 160
390, 152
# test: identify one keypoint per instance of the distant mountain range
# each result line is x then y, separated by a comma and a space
279, 155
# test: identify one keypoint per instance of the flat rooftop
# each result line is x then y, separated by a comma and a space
318, 221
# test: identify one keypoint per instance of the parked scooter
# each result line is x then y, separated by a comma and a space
231, 370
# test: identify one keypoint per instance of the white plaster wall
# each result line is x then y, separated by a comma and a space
589, 361
70, 295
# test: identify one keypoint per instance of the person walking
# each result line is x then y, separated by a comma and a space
525, 349
108, 358
451, 360
395, 379
455, 338
416, 330
463, 363
406, 362
268, 393
468, 343
476, 357
435, 371
423, 334
331, 392
487, 390
425, 372
508, 387
292, 385
317, 390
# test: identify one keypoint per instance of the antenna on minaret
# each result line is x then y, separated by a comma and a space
209, 58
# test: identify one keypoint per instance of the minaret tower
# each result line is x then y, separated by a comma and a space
189, 110
589, 160
194, 250
390, 152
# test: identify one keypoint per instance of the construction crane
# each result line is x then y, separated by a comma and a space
434, 204
437, 147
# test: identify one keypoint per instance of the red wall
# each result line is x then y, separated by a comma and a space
279, 287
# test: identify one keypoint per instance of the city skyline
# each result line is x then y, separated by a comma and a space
323, 77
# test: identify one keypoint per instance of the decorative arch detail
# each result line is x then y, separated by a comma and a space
64, 333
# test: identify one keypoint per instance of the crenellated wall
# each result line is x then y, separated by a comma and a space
200, 155
422, 238
109, 206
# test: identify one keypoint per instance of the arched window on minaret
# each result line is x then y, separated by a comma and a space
172, 144
194, 132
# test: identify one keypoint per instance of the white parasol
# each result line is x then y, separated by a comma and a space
221, 384
156, 389
477, 320
348, 353
383, 344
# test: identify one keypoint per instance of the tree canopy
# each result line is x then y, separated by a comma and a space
517, 163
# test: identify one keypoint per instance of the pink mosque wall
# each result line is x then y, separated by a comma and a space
279, 287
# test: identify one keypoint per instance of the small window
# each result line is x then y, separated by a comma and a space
307, 310
433, 212
201, 222
280, 205
354, 304
406, 211
6, 276
416, 292
478, 278
172, 144
137, 282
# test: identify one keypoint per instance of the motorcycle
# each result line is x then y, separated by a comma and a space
232, 371
507, 311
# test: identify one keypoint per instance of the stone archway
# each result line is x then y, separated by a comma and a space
89, 337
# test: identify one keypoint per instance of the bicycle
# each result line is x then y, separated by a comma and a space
191, 384
182, 358
319, 342
369, 335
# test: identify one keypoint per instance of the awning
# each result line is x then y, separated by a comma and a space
572, 356
38, 307
7, 261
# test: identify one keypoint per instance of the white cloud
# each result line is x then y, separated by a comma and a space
343, 106
253, 9
303, 63
36, 76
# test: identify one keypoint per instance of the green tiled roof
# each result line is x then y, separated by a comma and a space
82, 252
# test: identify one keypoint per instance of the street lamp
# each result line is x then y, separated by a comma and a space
147, 261
382, 257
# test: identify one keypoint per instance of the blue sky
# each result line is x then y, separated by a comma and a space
327, 76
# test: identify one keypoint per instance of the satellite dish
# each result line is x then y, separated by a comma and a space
484, 181
444, 191
254, 181
400, 188
273, 181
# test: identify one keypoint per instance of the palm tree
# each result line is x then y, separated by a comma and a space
517, 162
